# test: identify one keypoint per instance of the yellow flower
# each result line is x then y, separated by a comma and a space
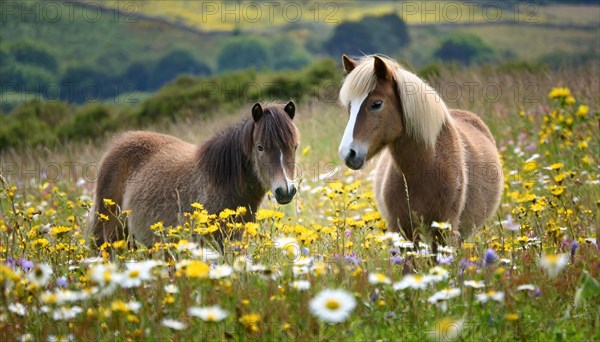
512, 316
119, 306
108, 202
557, 190
582, 145
570, 100
305, 150
197, 206
40, 242
102, 217
59, 230
264, 214
119, 244
582, 111
251, 228
250, 321
557, 166
169, 299
197, 269
556, 93
225, 214
586, 160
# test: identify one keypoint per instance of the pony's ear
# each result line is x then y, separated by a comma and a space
257, 112
349, 64
290, 108
381, 70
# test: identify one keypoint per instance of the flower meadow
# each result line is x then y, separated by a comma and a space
327, 267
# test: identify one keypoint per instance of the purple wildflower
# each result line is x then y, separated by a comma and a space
62, 281
26, 265
574, 248
444, 259
352, 259
490, 257
397, 260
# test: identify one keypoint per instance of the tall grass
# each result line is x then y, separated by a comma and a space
532, 273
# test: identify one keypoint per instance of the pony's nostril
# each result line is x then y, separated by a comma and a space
351, 154
292, 191
278, 192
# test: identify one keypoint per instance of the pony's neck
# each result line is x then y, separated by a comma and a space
410, 154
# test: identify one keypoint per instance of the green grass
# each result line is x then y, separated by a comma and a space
332, 221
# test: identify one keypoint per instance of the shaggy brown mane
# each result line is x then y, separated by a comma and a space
226, 156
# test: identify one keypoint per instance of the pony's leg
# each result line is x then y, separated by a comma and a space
109, 185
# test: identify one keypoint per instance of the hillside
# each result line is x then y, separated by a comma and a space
92, 51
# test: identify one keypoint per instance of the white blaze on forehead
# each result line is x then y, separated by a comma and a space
349, 132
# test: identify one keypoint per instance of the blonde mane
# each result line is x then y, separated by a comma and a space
424, 111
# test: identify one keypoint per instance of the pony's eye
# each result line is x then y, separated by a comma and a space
260, 148
377, 104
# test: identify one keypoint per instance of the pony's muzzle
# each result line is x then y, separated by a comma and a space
355, 158
284, 196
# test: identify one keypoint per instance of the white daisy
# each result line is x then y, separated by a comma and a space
60, 297
554, 263
526, 287
332, 306
441, 225
208, 314
300, 285
443, 295
289, 245
379, 278
493, 295
413, 281
476, 284
136, 273
438, 273
173, 324
220, 271
17, 308
104, 274
40, 275
66, 313
171, 288
134, 306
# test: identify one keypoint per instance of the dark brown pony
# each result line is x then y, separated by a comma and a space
438, 163
158, 176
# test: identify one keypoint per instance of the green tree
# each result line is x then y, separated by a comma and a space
372, 34
288, 55
466, 49
26, 52
175, 63
243, 53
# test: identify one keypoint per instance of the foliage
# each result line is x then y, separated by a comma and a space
466, 49
385, 34
242, 53
27, 52
175, 63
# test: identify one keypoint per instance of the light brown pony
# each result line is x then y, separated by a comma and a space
158, 176
441, 164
